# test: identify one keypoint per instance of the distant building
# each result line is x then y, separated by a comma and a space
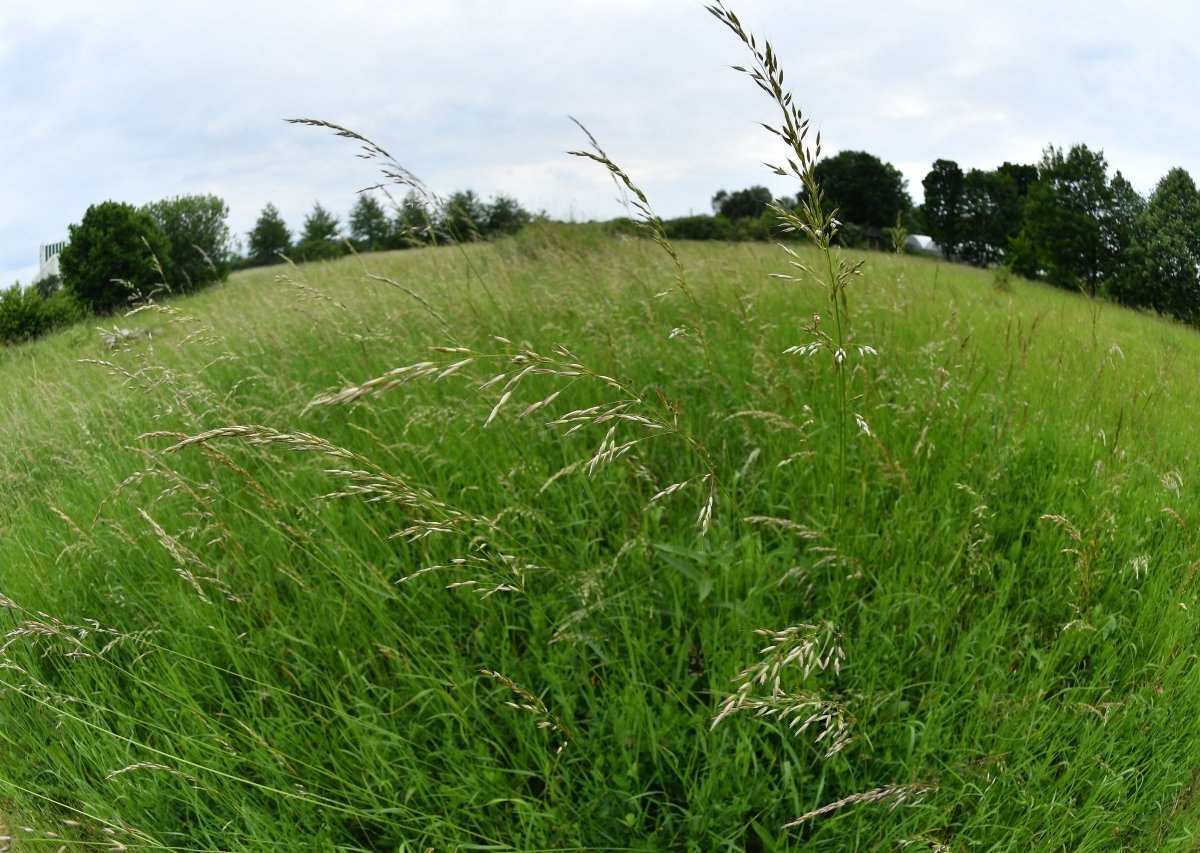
48, 259
924, 245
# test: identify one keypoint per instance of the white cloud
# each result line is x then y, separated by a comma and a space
137, 101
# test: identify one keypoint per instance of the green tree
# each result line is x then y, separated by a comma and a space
742, 204
943, 205
864, 189
369, 226
990, 213
1163, 269
269, 238
506, 216
1022, 174
413, 224
464, 216
1119, 228
1066, 210
197, 232
113, 257
321, 237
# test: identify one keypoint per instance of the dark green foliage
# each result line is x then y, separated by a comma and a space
1022, 174
1163, 268
943, 205
48, 285
61, 309
506, 216
269, 239
414, 223
1066, 214
114, 257
369, 226
321, 237
864, 189
742, 204
990, 215
197, 232
27, 314
464, 216
20, 315
701, 227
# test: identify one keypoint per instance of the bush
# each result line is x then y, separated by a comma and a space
26, 314
62, 309
701, 227
21, 317
117, 255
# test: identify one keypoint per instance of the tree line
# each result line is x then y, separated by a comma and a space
119, 255
416, 220
1063, 220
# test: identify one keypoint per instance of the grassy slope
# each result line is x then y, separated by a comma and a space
260, 677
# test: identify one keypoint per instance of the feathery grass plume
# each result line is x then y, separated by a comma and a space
816, 222
894, 795
807, 648
369, 480
389, 167
651, 416
531, 704
649, 221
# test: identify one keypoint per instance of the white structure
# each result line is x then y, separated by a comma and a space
48, 259
924, 245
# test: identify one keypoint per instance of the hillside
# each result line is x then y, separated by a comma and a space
461, 547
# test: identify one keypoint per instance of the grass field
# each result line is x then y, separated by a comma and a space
256, 600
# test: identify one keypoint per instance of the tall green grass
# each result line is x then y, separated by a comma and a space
1009, 576
498, 547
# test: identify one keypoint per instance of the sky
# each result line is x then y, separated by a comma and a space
136, 101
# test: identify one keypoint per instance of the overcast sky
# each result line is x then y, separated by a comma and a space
137, 101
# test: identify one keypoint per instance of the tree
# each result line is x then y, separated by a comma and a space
989, 216
464, 216
1064, 213
414, 224
864, 189
506, 216
1119, 227
321, 237
1023, 175
1163, 269
113, 257
197, 233
269, 238
943, 202
369, 225
742, 204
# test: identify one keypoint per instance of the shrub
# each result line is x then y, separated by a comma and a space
700, 227
21, 316
115, 256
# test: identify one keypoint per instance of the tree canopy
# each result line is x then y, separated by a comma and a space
864, 189
742, 204
370, 228
115, 256
198, 239
269, 238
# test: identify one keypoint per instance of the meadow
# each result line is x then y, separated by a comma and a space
498, 547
